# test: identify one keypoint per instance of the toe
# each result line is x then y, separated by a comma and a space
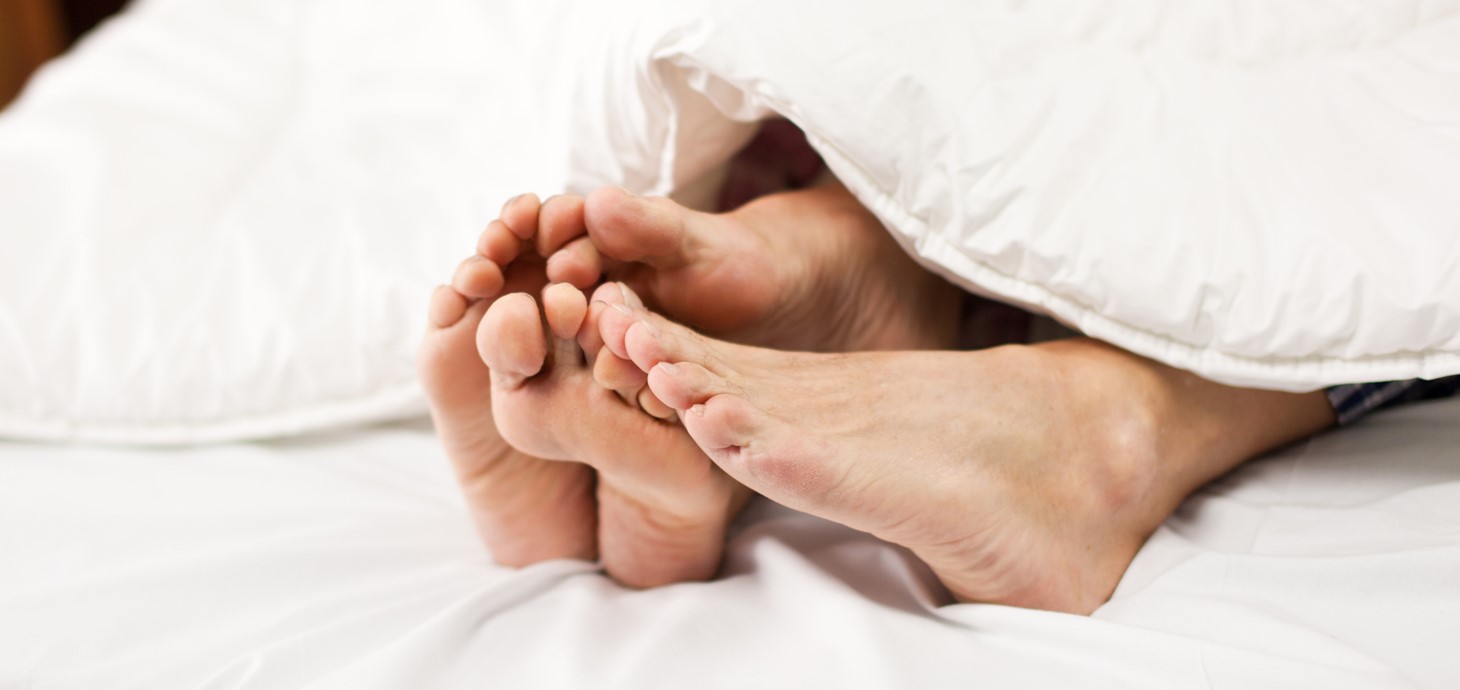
634, 228
448, 365
560, 221
619, 375
566, 308
589, 338
652, 339
447, 306
577, 263
653, 406
477, 278
499, 244
520, 215
647, 339
725, 421
608, 293
510, 340
614, 322
684, 385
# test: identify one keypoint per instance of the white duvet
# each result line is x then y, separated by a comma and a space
221, 218
347, 561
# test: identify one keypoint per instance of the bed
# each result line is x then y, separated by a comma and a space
223, 217
345, 560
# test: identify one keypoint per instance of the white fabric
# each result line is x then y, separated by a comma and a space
222, 218
346, 561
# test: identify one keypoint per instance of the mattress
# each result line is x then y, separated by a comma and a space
345, 560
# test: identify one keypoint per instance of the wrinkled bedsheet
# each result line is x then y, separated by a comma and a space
346, 561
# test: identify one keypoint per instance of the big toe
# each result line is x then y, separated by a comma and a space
626, 227
685, 384
510, 339
647, 339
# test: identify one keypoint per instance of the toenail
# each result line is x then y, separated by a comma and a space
622, 309
698, 409
667, 369
628, 295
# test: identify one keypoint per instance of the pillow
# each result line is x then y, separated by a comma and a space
223, 217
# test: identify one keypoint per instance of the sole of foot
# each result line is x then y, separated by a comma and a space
808, 269
1013, 482
525, 509
663, 507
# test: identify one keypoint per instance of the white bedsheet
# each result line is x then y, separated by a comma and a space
345, 561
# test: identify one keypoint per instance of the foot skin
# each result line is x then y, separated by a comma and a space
807, 270
526, 510
1026, 476
663, 507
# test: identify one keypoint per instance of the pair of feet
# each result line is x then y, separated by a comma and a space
586, 428
560, 445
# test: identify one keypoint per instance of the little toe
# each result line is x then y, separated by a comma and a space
511, 341
477, 278
520, 215
451, 371
499, 244
577, 263
559, 221
447, 306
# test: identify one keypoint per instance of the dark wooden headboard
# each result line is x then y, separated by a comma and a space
33, 31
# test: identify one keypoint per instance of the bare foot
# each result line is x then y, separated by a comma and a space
663, 507
1022, 475
526, 509
809, 269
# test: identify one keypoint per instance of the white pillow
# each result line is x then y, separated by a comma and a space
223, 217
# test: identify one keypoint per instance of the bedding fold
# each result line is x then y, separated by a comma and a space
223, 218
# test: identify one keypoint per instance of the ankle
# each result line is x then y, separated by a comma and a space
1123, 410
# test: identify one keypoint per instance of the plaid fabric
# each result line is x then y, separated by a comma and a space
1355, 400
